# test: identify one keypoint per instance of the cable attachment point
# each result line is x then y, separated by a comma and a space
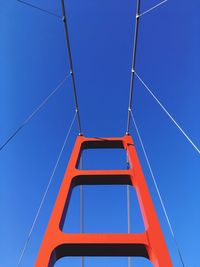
129, 109
132, 70
64, 18
71, 72
137, 16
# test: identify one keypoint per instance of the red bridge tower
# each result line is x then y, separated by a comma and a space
149, 244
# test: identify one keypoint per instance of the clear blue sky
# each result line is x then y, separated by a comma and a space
34, 60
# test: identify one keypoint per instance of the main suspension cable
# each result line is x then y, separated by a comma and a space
138, 15
133, 64
64, 18
40, 9
158, 191
45, 193
168, 114
30, 117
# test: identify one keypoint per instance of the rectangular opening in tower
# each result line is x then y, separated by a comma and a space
104, 210
103, 155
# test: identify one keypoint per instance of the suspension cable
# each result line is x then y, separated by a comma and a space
30, 117
152, 8
158, 191
168, 114
129, 218
128, 211
81, 207
45, 193
64, 18
81, 201
39, 8
138, 15
133, 64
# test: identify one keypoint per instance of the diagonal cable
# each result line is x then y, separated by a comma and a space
158, 191
45, 193
39, 8
152, 8
30, 117
168, 114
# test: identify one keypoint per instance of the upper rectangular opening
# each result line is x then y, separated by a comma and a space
102, 154
103, 159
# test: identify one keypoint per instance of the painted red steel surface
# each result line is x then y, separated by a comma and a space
150, 244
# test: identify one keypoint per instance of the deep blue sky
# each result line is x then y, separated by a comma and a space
34, 60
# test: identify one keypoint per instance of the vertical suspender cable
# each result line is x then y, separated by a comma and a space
128, 210
64, 18
129, 218
133, 65
81, 208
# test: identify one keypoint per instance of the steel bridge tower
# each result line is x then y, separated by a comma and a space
149, 244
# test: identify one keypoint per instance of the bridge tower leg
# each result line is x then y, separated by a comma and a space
149, 244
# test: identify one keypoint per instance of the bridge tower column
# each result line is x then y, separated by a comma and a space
149, 244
